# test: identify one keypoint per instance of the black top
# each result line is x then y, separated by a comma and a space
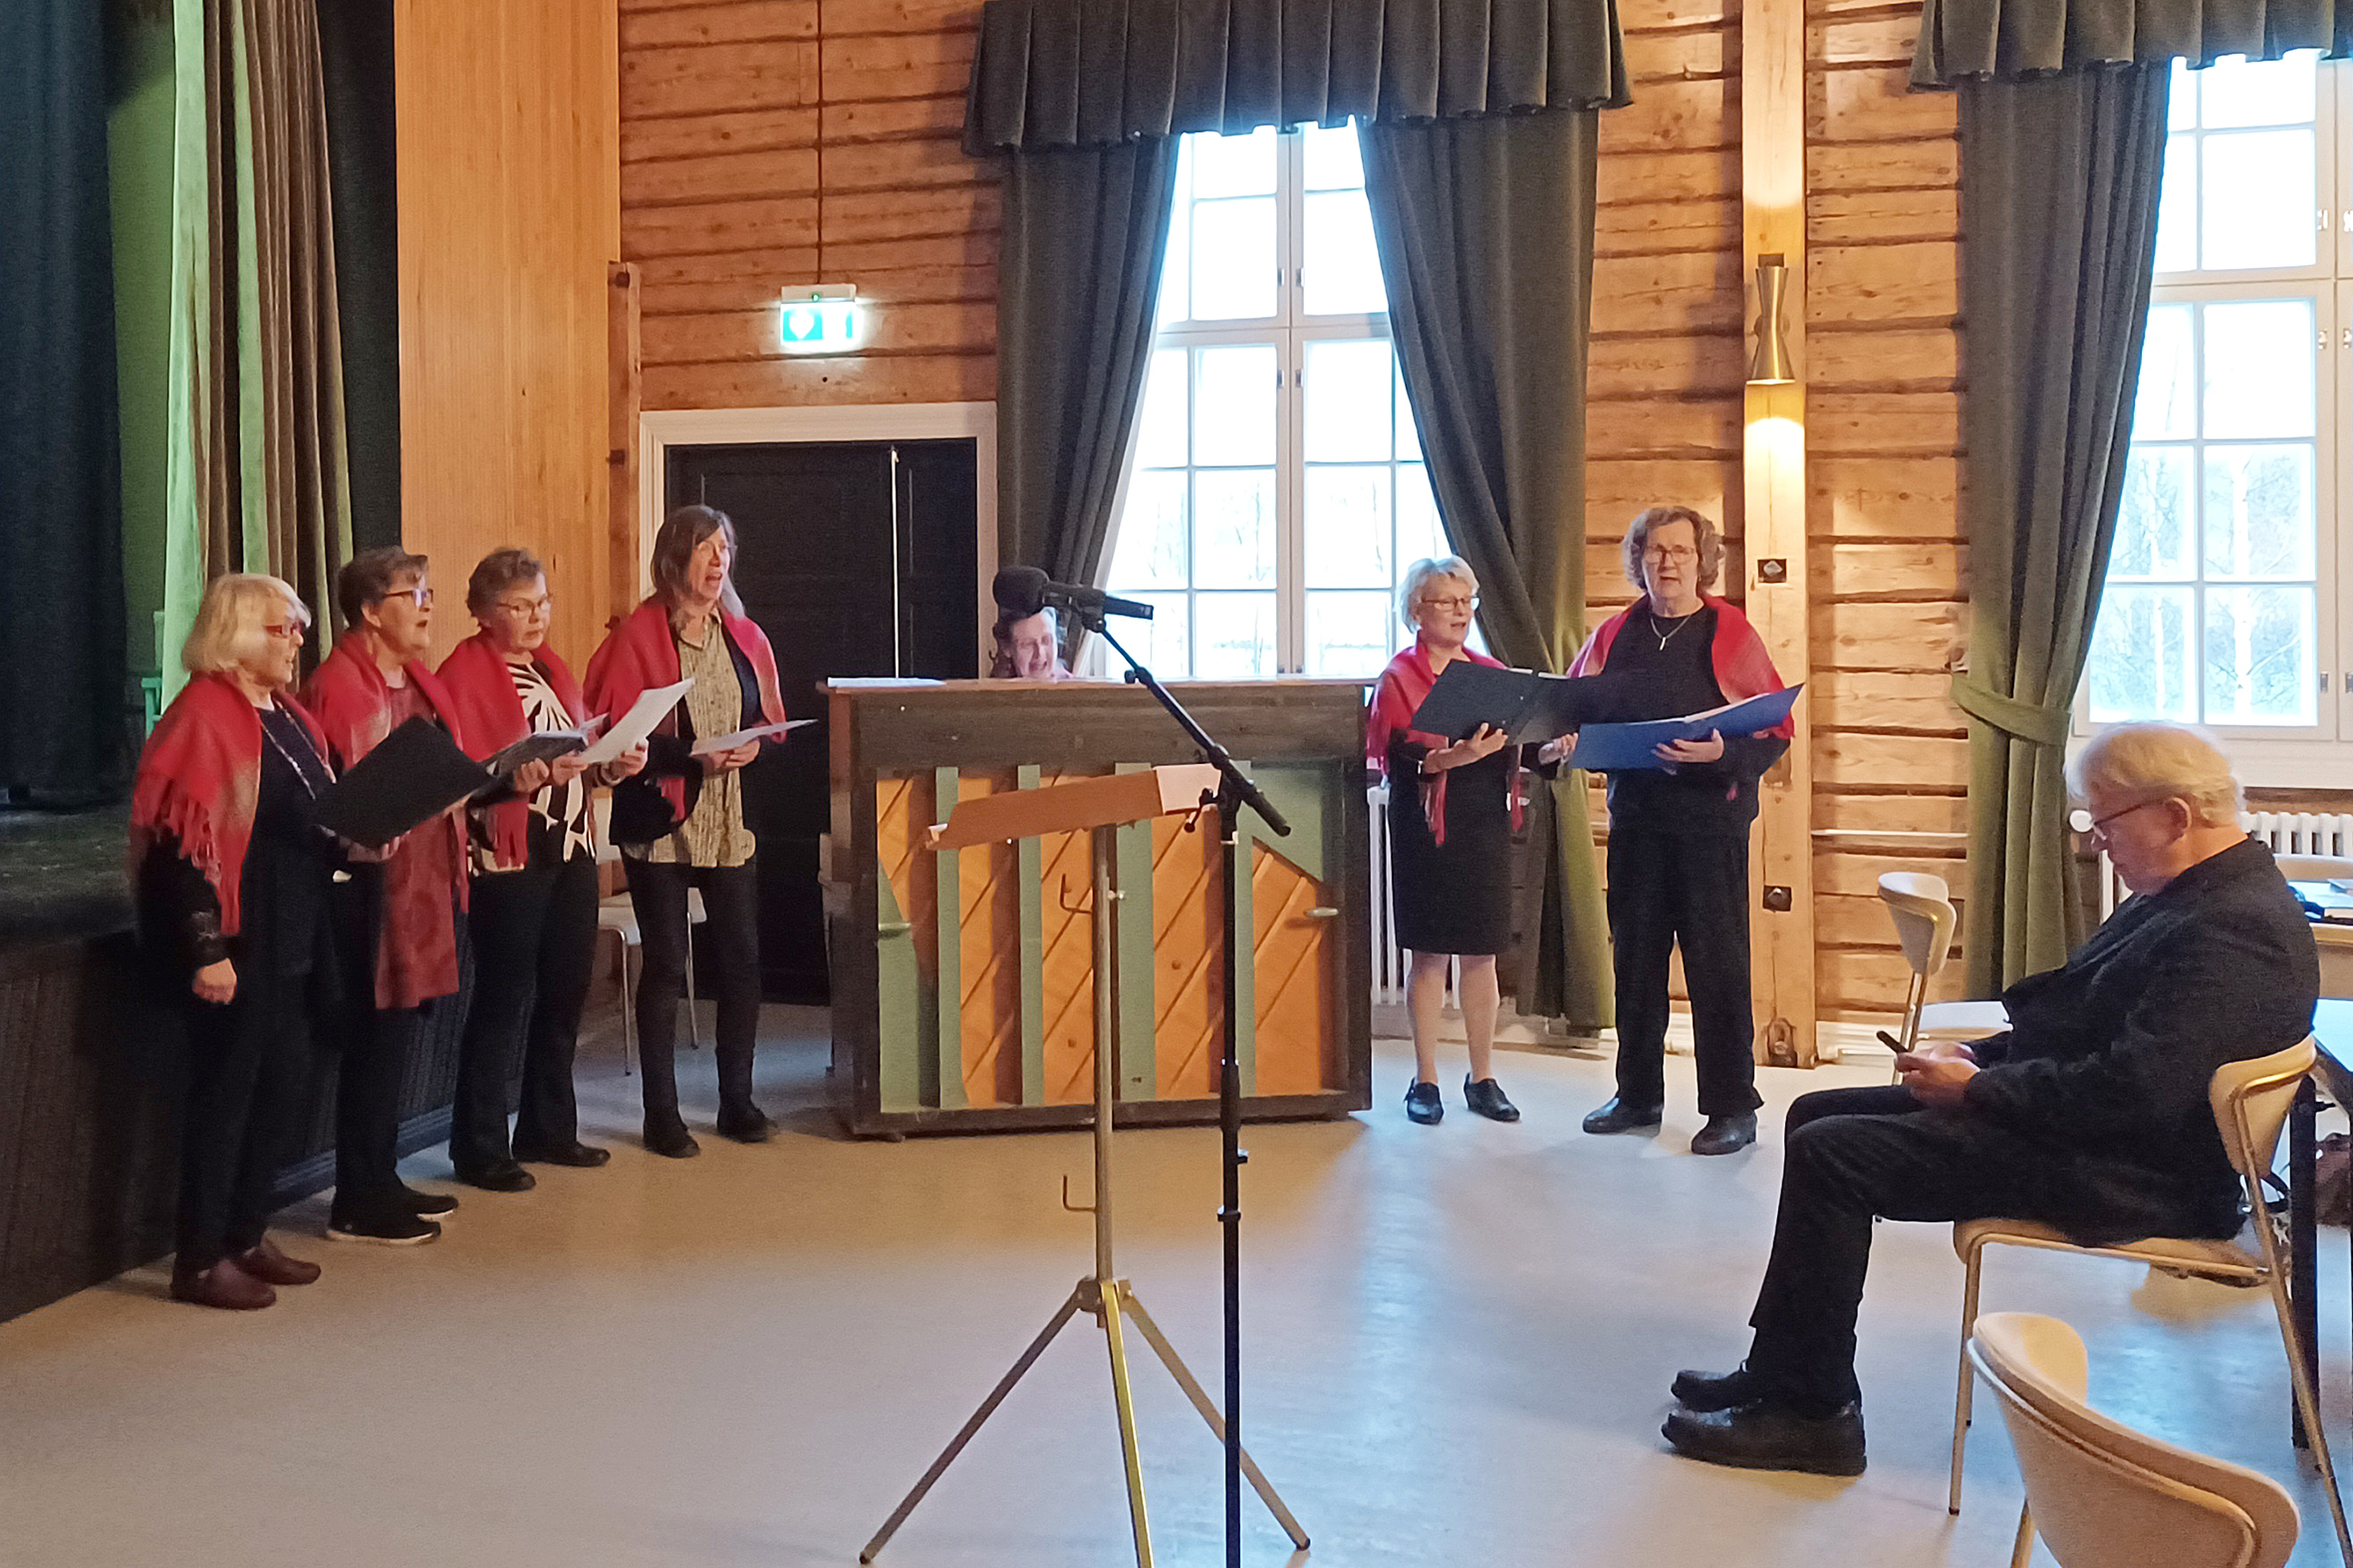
282, 891
1667, 682
2108, 1058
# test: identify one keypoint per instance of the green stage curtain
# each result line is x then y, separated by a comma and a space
1085, 230
1959, 39
259, 472
1485, 233
63, 710
2059, 182
1085, 73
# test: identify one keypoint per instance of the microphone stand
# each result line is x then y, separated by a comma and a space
1234, 790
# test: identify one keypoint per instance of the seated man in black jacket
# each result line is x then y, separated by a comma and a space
2090, 1113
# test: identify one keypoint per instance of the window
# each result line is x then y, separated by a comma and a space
2221, 604
1277, 488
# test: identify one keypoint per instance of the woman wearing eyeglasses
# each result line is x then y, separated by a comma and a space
232, 878
533, 867
1679, 833
1450, 814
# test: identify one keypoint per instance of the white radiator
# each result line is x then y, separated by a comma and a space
1389, 959
2284, 832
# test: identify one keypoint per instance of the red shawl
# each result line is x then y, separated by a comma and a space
641, 652
483, 688
199, 779
1401, 689
1742, 668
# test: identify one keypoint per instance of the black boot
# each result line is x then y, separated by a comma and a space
1619, 1117
1724, 1135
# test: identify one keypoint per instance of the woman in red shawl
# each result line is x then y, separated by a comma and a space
232, 878
533, 917
680, 823
397, 920
1450, 810
1679, 833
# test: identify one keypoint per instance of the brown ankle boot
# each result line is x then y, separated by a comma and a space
223, 1285
266, 1263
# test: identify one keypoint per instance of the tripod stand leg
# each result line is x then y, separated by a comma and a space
1122, 1394
996, 1396
1209, 1408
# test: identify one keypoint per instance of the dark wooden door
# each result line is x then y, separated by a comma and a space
858, 558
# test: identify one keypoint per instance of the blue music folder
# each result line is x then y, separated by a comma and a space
1630, 748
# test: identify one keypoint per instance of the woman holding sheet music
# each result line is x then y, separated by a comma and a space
1450, 814
1679, 832
534, 869
680, 822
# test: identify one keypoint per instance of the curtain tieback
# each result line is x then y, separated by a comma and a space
2029, 721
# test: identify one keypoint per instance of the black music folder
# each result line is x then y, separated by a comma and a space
1528, 706
414, 775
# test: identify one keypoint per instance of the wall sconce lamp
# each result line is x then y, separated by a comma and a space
1769, 363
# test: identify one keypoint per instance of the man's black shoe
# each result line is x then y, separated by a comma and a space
1764, 1434
584, 1155
428, 1205
1485, 1098
746, 1124
1714, 1390
500, 1176
670, 1139
1724, 1135
1619, 1117
1423, 1104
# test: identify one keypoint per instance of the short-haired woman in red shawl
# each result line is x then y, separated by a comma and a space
680, 823
533, 916
233, 876
1679, 833
1450, 809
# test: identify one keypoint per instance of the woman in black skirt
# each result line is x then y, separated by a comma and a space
1450, 810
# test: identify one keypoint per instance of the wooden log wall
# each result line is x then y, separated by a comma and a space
770, 142
508, 219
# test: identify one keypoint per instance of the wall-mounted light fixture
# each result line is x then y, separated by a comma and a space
1769, 363
821, 318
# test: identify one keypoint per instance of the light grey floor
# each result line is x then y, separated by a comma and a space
1459, 1341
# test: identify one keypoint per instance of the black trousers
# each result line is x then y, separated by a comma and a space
249, 1065
731, 936
1691, 889
1850, 1155
380, 1044
534, 934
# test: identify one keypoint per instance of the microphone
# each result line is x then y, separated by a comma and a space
1023, 591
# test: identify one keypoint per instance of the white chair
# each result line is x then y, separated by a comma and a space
1922, 907
2104, 1495
2251, 1102
619, 914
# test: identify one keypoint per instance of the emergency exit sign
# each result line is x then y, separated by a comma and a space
821, 319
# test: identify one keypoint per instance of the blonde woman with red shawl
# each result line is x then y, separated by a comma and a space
233, 876
1679, 833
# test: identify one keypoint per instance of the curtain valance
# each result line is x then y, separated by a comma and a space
2012, 39
1088, 72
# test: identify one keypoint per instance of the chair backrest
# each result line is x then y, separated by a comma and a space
1922, 907
2251, 1102
2104, 1495
2316, 868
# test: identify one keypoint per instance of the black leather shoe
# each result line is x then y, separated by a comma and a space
1619, 1117
1765, 1435
1724, 1135
428, 1205
1485, 1098
1423, 1105
500, 1176
746, 1124
672, 1140
1714, 1390
385, 1230
582, 1156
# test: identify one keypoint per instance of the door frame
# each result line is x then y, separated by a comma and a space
659, 430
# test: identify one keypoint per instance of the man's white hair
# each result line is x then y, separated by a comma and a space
2154, 762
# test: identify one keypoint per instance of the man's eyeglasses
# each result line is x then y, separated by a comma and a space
2084, 822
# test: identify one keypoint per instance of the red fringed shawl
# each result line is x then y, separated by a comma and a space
1742, 668
1401, 689
199, 779
641, 652
484, 690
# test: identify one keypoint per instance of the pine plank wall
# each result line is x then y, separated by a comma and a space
766, 142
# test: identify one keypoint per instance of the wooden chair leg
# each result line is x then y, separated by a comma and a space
2308, 1398
2023, 1551
1960, 1395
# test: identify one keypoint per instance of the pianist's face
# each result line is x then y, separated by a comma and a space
1031, 645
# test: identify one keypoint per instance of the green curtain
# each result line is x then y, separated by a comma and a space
259, 472
1085, 229
1959, 39
63, 710
1084, 73
1485, 232
2059, 185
